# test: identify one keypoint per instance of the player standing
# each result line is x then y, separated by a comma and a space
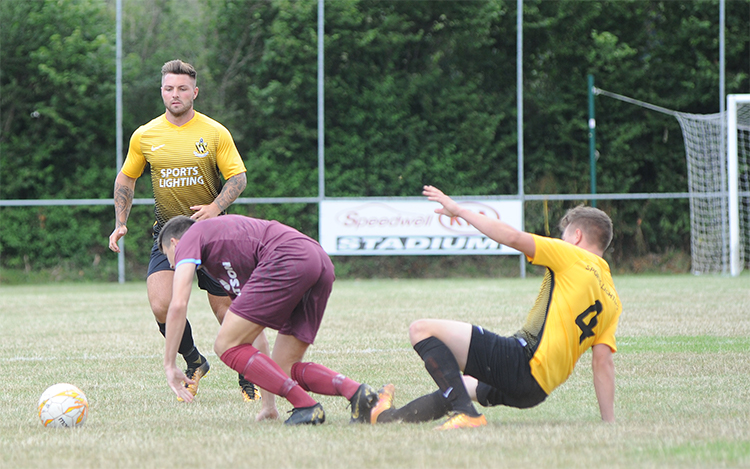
188, 153
577, 309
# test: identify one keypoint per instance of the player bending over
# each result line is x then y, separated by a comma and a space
577, 309
278, 278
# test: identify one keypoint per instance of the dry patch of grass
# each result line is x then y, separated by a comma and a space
683, 373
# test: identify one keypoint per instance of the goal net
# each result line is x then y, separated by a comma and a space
718, 183
704, 139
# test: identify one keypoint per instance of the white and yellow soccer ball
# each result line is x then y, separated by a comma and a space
63, 405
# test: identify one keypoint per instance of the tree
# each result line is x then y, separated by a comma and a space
419, 92
56, 127
415, 92
57, 99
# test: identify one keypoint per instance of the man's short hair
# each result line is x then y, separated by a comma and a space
593, 222
178, 67
174, 228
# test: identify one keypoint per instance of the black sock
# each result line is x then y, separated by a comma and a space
422, 409
187, 347
443, 367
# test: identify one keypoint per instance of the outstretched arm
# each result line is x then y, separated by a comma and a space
497, 230
604, 380
229, 193
175, 324
123, 197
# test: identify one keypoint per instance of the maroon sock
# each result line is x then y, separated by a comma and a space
266, 373
321, 380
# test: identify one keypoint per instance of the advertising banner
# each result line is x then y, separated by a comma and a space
393, 228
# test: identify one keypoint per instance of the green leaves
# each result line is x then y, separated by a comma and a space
57, 97
416, 92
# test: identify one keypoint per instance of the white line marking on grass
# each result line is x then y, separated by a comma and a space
84, 357
368, 351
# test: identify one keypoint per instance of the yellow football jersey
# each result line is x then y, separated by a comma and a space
577, 307
186, 162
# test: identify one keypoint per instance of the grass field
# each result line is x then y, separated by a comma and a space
683, 374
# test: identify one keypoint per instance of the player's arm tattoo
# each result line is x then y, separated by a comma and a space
231, 190
123, 204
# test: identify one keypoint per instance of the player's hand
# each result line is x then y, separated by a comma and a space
204, 212
118, 233
176, 379
449, 207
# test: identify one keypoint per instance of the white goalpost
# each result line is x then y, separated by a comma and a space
738, 178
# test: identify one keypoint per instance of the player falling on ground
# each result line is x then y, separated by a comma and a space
577, 309
188, 153
279, 278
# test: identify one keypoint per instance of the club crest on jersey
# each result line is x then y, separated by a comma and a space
202, 148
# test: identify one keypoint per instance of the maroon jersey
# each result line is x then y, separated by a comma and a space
230, 247
277, 277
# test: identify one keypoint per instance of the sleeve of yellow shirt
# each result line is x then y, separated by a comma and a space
135, 162
550, 252
228, 158
608, 337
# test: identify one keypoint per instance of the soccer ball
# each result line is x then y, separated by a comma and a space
63, 405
